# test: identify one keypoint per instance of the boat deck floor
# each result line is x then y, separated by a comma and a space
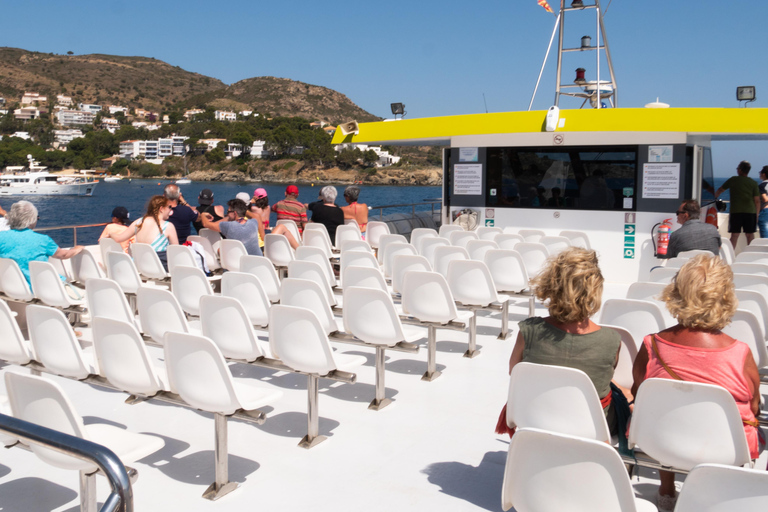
433, 448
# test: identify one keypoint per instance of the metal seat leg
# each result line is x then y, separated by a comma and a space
313, 437
532, 306
221, 486
472, 349
431, 373
504, 334
380, 401
88, 492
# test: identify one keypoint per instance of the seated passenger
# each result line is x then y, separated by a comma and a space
326, 212
703, 300
119, 224
23, 245
355, 210
153, 229
572, 285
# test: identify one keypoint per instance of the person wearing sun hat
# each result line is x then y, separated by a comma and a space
120, 220
205, 204
290, 208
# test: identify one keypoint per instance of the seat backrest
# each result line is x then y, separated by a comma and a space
557, 399
230, 252
391, 251
461, 238
403, 263
160, 312
312, 271
211, 260
546, 471
752, 257
717, 487
384, 241
651, 292
427, 297
374, 231
13, 282
662, 274
85, 267
355, 245
180, 255
147, 261
622, 374
107, 245
211, 235
292, 227
105, 299
756, 248
225, 321
41, 401
123, 357
347, 232
249, 290
278, 250
745, 327
13, 348
757, 304
682, 424
188, 285
755, 269
444, 255
471, 283
446, 229
639, 317
297, 338
420, 233
676, 262
47, 285
365, 277
726, 251
199, 374
316, 238
534, 255
54, 342
531, 235
262, 268
488, 232
759, 241
577, 238
427, 246
555, 244
122, 270
508, 240
307, 294
755, 283
357, 259
507, 270
369, 314
309, 253
687, 255
477, 248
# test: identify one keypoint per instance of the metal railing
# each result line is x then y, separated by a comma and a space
120, 499
432, 203
74, 229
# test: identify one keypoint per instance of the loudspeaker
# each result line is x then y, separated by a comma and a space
350, 127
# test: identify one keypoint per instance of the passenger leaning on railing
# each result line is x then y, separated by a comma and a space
703, 300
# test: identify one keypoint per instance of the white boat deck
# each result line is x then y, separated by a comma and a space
432, 449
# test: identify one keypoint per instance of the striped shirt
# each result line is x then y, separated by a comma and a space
291, 210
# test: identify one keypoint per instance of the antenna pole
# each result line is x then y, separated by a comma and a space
552, 38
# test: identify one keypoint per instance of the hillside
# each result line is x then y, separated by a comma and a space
284, 97
135, 82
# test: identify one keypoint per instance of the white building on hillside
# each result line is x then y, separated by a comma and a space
64, 137
110, 124
26, 113
21, 135
258, 151
385, 159
64, 100
211, 143
32, 97
89, 107
75, 117
189, 114
114, 109
153, 149
223, 115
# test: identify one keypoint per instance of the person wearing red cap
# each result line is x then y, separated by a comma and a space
290, 208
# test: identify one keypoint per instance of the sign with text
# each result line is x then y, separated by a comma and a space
467, 154
661, 181
468, 179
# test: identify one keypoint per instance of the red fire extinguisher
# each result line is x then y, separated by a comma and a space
712, 216
662, 240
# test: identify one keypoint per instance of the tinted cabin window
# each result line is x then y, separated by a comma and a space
578, 178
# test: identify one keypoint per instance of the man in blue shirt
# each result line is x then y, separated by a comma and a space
182, 215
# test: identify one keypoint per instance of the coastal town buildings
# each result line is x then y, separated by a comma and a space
385, 159
64, 100
89, 107
189, 114
63, 137
109, 124
30, 98
154, 151
26, 113
223, 115
75, 117
114, 109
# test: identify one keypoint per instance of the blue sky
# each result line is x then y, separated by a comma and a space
438, 58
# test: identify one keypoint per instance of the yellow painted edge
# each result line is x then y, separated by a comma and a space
690, 120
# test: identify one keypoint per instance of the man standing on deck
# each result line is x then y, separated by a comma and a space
745, 203
693, 234
182, 216
290, 208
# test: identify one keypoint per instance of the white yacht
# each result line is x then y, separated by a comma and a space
35, 180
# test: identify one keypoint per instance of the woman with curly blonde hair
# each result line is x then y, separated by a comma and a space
571, 285
703, 300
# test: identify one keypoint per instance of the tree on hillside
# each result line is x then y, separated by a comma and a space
215, 155
348, 158
370, 157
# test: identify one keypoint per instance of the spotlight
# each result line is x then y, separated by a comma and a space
397, 109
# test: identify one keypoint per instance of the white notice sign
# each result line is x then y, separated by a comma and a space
659, 153
468, 179
661, 181
467, 154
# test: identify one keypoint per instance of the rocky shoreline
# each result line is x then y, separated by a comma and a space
333, 176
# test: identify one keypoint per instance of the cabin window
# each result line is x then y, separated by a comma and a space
583, 178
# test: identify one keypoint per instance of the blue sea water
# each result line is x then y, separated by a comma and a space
134, 194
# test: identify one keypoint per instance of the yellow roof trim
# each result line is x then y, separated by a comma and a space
752, 121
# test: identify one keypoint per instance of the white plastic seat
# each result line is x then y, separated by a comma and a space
147, 262
726, 251
752, 257
577, 238
755, 269
306, 294
278, 250
534, 255
477, 248
508, 240
622, 374
444, 255
759, 241
687, 255
347, 232
201, 377
557, 399
428, 245
662, 274
488, 232
371, 317
384, 241
105, 299
62, 268
225, 321
49, 288
357, 259
546, 471
720, 488
108, 245
682, 424
55, 344
352, 222
315, 254
249, 290
392, 250
211, 235
365, 277
744, 326
263, 269
188, 284
313, 272
531, 235
230, 252
318, 238
355, 245
13, 282
403, 263
297, 338
555, 244
211, 259
755, 248
419, 234
374, 231
13, 347
461, 238
124, 360
755, 283
509, 275
180, 255
85, 267
676, 262
290, 226
446, 230
122, 270
43, 402
160, 312
639, 317
651, 292
757, 304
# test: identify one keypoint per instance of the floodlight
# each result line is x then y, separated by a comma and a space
397, 109
745, 93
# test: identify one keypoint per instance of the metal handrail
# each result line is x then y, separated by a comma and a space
72, 227
121, 497
413, 206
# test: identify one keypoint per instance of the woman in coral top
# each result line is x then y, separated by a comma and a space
703, 300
